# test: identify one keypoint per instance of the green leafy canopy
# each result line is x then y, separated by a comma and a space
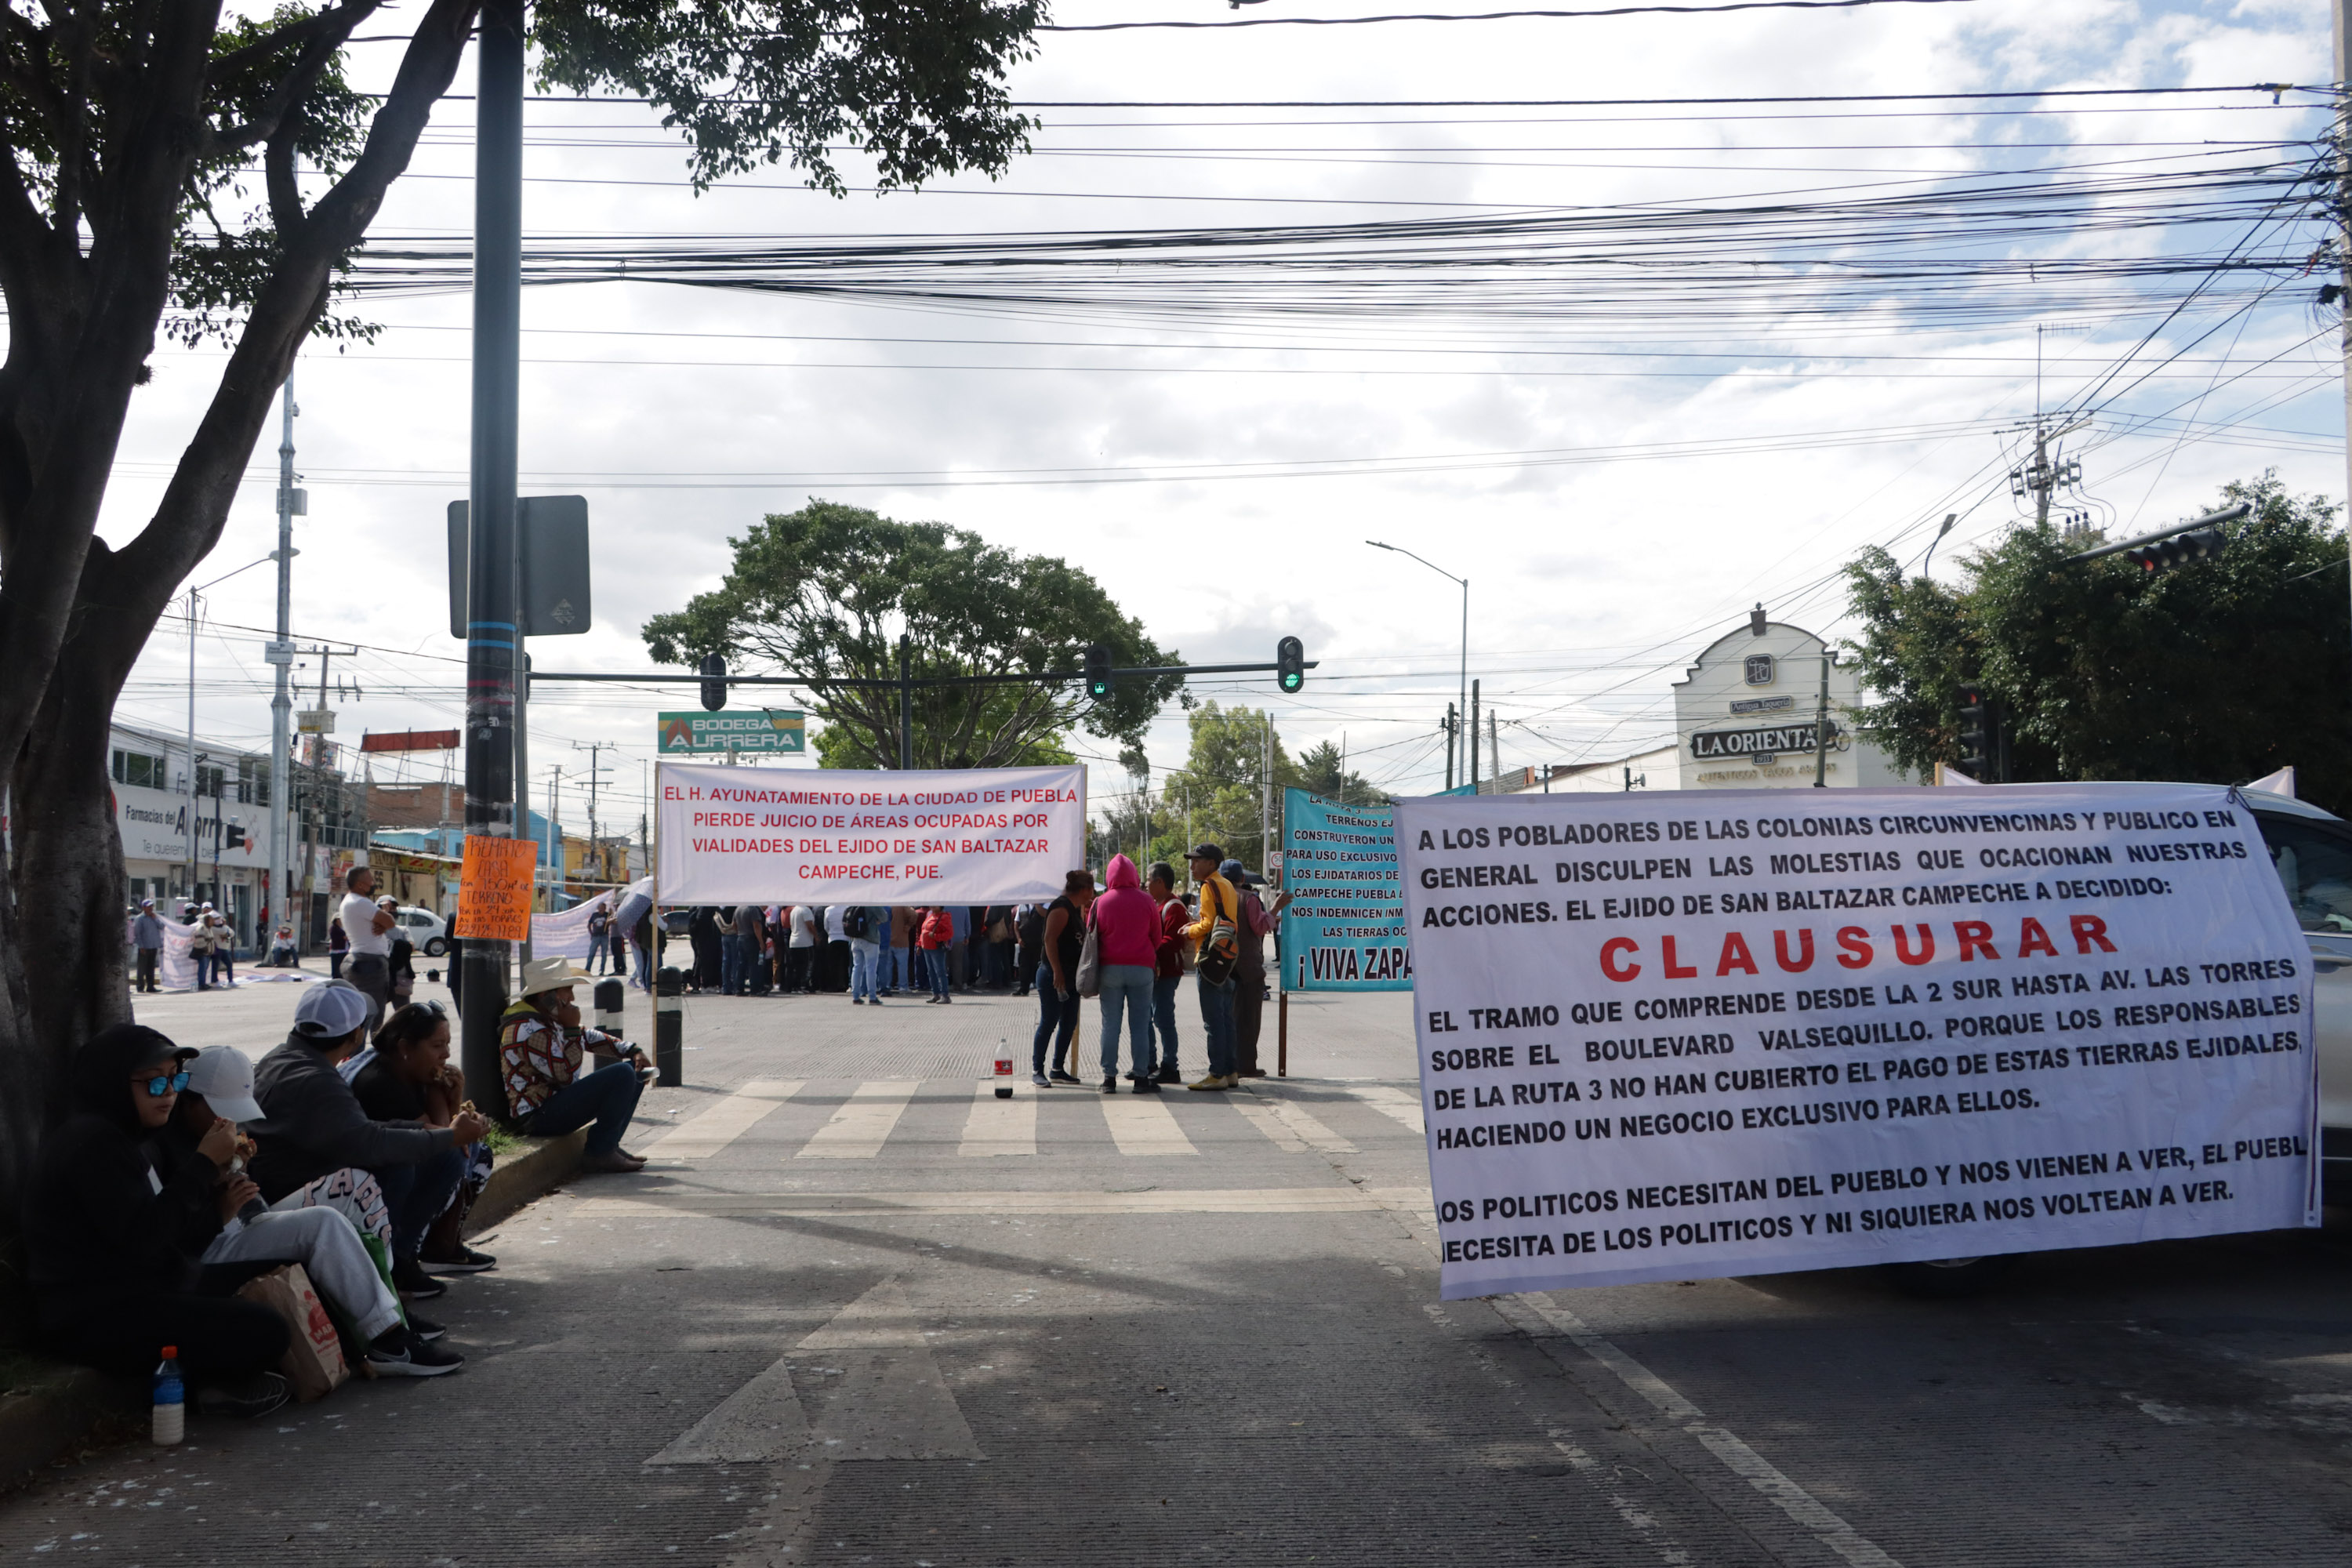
825, 591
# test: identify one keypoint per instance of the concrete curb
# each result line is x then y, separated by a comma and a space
528, 1170
41, 1425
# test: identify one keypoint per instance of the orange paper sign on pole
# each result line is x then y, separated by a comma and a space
495, 886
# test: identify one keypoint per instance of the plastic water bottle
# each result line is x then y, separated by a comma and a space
171, 1416
1003, 1069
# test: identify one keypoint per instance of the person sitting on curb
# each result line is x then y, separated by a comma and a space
407, 1076
320, 1239
542, 1048
113, 1237
312, 1125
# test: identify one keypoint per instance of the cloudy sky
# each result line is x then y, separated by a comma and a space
1618, 494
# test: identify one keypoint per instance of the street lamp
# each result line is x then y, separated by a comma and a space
1464, 709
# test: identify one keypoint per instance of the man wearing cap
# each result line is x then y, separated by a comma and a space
1214, 949
542, 1048
323, 1240
312, 1124
147, 939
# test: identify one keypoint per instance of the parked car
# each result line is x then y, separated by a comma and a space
427, 933
2311, 850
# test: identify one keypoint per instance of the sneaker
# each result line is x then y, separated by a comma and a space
1251, 1072
1061, 1077
248, 1397
397, 1353
928, 1001
1212, 1081
876, 1000
947, 998
1234, 1080
1169, 1073
1110, 1083
424, 1327
858, 1001
613, 1165
1041, 1081
1147, 1086
466, 1261
408, 1277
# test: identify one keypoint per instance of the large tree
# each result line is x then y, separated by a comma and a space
154, 182
2219, 670
1224, 784
825, 593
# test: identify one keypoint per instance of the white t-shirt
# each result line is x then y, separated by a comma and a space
358, 912
803, 925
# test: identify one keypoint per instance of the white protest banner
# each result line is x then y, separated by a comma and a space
968, 836
1672, 1035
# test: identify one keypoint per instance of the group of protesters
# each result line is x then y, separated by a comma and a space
351, 1148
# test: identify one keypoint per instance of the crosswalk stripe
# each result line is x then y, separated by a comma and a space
1263, 1117
1142, 1125
723, 1122
999, 1126
884, 1205
1310, 1130
1390, 1100
859, 1129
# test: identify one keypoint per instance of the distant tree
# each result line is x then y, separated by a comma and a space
1219, 785
198, 172
1319, 770
2216, 671
825, 592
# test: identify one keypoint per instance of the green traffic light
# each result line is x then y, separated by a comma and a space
1292, 680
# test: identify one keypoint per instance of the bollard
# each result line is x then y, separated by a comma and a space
611, 996
669, 1026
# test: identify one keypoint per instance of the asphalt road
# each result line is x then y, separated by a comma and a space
861, 1311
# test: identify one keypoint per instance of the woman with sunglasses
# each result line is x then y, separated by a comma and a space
116, 1228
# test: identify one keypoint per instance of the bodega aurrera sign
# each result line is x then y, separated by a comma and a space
1672, 1035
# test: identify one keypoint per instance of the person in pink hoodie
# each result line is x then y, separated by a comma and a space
1127, 936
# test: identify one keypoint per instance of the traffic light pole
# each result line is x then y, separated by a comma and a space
2211, 519
494, 653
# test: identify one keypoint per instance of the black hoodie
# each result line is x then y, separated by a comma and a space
112, 1209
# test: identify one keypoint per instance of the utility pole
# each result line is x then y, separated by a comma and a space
280, 655
1265, 797
1449, 746
192, 742
595, 846
1470, 741
1821, 730
2343, 63
494, 651
906, 706
1494, 752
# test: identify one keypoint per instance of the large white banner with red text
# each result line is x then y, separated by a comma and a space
968, 835
1676, 1033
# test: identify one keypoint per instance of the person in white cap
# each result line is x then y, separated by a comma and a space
221, 938
312, 1125
220, 1093
542, 1048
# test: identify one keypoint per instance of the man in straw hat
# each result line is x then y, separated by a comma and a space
541, 1049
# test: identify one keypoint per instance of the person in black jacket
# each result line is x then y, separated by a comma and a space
115, 1224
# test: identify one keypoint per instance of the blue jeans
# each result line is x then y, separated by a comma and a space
607, 1096
1127, 988
1058, 1020
734, 957
1163, 1013
932, 967
597, 953
1217, 1023
415, 1195
645, 966
887, 969
864, 957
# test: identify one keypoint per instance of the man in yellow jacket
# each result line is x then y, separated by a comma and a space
1216, 952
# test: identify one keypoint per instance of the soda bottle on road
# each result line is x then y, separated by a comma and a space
170, 1423
1003, 1069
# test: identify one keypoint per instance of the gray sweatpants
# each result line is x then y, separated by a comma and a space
323, 1242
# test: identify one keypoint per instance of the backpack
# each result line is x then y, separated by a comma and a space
859, 923
1221, 948
1033, 931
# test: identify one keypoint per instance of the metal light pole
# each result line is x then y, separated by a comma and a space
195, 867
281, 654
1464, 707
493, 601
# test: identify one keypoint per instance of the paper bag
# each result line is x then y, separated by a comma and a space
314, 1363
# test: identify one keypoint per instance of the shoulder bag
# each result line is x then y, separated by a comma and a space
1088, 978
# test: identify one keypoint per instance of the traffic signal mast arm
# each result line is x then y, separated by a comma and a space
2211, 519
676, 677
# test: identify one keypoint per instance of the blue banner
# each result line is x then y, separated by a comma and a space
1344, 929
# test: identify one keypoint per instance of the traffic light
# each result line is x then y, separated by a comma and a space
1290, 664
1976, 731
235, 838
2197, 545
1097, 672
714, 683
